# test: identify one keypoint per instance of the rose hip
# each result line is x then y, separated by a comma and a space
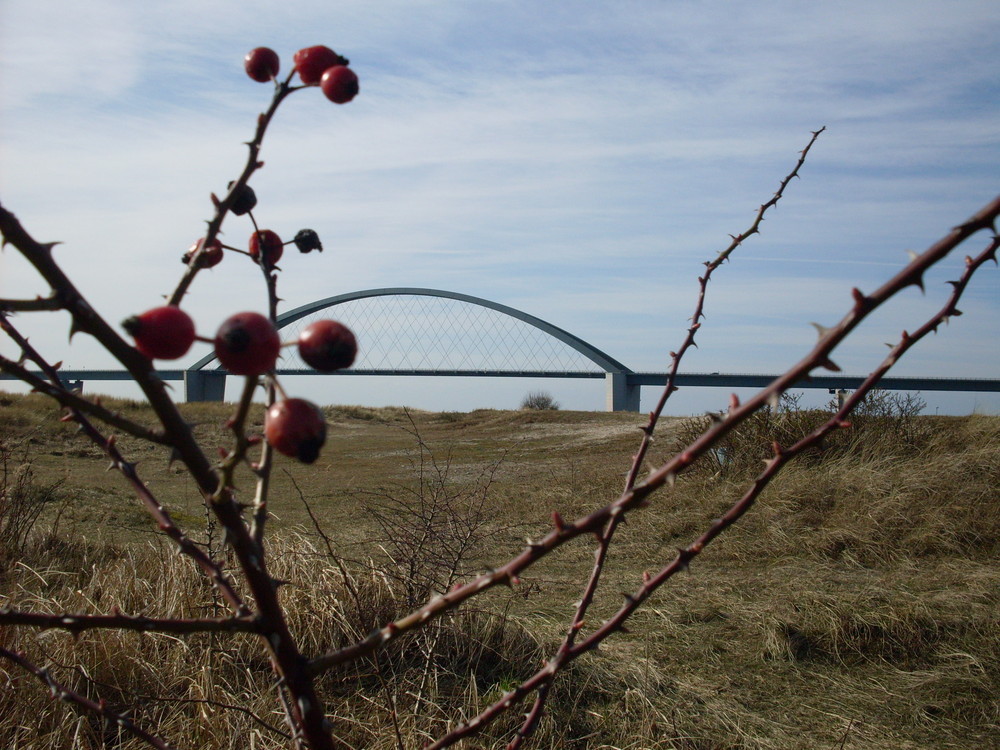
339, 84
310, 62
261, 64
267, 245
327, 345
161, 333
247, 344
295, 427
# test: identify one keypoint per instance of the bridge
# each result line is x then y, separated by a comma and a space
408, 331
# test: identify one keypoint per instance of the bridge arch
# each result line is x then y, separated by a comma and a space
206, 383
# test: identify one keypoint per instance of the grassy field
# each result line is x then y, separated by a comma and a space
856, 606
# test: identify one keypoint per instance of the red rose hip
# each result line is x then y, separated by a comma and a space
310, 62
327, 345
267, 245
247, 344
339, 84
210, 258
161, 333
296, 427
261, 64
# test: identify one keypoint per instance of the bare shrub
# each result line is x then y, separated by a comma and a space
433, 528
22, 500
539, 401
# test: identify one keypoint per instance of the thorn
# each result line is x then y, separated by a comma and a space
911, 255
734, 402
829, 364
682, 555
774, 400
821, 330
671, 479
558, 521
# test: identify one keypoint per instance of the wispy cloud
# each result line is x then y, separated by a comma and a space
575, 161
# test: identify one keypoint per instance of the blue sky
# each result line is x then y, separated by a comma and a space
578, 161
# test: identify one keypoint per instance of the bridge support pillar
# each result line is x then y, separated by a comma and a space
621, 395
204, 385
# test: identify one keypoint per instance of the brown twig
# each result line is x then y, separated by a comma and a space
77, 623
222, 207
57, 690
38, 304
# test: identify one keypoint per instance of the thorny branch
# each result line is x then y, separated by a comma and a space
569, 651
109, 445
604, 539
99, 708
306, 712
637, 497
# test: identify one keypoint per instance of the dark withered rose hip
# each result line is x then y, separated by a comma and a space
306, 240
244, 200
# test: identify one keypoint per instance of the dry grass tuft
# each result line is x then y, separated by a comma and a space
856, 606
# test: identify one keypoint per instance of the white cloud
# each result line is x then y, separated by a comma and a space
577, 162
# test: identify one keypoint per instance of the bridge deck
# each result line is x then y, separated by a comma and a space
699, 379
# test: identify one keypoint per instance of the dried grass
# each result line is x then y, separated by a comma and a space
857, 606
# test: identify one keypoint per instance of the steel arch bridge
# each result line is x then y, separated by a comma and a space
416, 331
